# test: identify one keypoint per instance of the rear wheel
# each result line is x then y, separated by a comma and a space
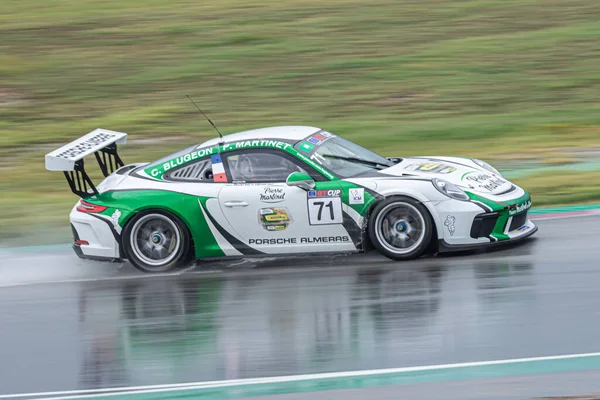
400, 228
156, 241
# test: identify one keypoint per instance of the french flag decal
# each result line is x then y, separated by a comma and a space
218, 169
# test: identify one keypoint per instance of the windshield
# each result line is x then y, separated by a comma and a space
345, 158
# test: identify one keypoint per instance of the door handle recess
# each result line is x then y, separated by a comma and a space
235, 204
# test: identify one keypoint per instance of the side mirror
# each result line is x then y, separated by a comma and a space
301, 180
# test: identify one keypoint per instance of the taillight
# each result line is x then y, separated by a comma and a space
86, 207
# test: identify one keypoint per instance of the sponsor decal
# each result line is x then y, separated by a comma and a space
184, 160
516, 209
319, 138
522, 228
325, 193
357, 196
244, 183
115, 220
256, 143
447, 170
301, 240
275, 228
306, 147
175, 162
484, 181
272, 195
84, 146
274, 219
449, 223
325, 239
274, 241
431, 167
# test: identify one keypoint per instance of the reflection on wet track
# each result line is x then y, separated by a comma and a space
182, 329
361, 313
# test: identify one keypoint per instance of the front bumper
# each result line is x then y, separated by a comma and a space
478, 225
444, 247
485, 229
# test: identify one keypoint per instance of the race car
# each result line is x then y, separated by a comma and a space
279, 191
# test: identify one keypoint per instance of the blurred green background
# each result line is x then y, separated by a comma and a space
515, 83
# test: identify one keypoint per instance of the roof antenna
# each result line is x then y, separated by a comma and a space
221, 136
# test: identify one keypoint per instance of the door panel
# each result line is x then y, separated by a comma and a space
220, 228
276, 218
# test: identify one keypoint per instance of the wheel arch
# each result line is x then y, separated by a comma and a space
417, 196
152, 207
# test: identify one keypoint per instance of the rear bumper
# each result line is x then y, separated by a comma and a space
79, 252
98, 232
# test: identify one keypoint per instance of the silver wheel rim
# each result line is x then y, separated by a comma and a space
400, 227
155, 239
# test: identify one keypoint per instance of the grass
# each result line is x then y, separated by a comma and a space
495, 79
562, 188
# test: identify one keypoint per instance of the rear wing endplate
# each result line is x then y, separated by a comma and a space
69, 159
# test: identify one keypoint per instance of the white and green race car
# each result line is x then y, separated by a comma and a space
281, 191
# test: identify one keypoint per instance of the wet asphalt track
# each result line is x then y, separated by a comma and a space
101, 325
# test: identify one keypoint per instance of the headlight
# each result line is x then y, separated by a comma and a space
486, 166
450, 189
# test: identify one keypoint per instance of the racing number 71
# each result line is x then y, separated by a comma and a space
321, 204
317, 211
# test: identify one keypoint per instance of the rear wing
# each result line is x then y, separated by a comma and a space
69, 159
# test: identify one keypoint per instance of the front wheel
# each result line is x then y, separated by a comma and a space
156, 241
400, 228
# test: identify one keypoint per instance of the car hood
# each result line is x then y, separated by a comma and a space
461, 172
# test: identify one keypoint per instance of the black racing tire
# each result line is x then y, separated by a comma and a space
144, 236
393, 220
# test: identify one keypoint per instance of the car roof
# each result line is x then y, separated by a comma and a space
293, 133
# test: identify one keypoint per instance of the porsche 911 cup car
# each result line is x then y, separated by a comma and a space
282, 190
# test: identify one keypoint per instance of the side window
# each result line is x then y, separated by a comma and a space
261, 166
200, 170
